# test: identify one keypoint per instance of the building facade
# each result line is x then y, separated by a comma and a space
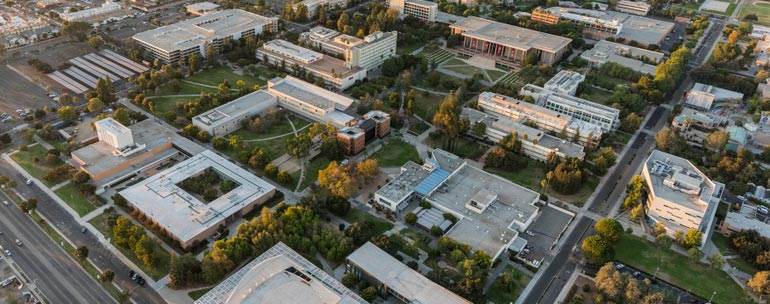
607, 118
354, 139
178, 41
633, 7
227, 118
334, 72
310, 101
421, 9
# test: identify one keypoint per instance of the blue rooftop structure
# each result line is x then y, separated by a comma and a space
431, 182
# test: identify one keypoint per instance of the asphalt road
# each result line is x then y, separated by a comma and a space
59, 277
98, 254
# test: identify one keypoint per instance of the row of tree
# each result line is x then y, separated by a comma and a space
133, 237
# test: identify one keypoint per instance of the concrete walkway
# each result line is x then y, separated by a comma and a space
180, 95
206, 85
429, 91
62, 184
279, 136
43, 142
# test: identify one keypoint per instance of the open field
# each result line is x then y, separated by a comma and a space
759, 8
531, 176
396, 153
677, 269
33, 161
425, 106
462, 147
356, 216
70, 194
311, 170
274, 147
215, 76
184, 89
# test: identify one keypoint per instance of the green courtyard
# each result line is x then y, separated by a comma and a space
70, 194
215, 76
395, 153
33, 161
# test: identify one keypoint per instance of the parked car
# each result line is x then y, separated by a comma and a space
18, 243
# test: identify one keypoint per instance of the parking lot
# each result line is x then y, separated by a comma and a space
544, 232
16, 92
12, 289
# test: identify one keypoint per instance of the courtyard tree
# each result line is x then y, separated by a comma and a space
121, 116
67, 113
337, 180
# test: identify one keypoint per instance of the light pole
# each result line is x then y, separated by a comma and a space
656, 273
712, 297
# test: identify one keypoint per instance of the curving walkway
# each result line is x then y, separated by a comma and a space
182, 95
429, 91
205, 85
279, 136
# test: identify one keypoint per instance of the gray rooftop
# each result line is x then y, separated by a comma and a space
637, 28
254, 102
194, 32
403, 185
309, 93
492, 230
181, 213
414, 287
677, 180
509, 35
606, 51
281, 276
565, 81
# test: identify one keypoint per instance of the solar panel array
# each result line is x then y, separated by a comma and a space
85, 71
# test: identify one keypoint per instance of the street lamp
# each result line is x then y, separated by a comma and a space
656, 273
712, 297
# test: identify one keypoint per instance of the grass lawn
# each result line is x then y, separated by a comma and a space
720, 241
761, 9
597, 95
463, 147
184, 89
396, 153
273, 147
165, 104
100, 222
677, 269
495, 74
531, 176
311, 170
408, 49
498, 294
39, 168
454, 61
418, 239
215, 76
70, 194
355, 216
417, 127
729, 10
425, 106
465, 70
196, 294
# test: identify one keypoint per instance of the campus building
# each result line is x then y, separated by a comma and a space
391, 277
335, 72
368, 53
313, 102
545, 119
178, 41
202, 8
313, 5
599, 25
280, 275
640, 8
508, 45
184, 216
680, 197
121, 151
106, 8
702, 96
608, 118
375, 124
565, 82
536, 144
491, 211
638, 59
421, 9
227, 118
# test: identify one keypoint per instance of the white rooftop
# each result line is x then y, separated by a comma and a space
627, 56
202, 6
112, 126
677, 180
280, 276
253, 102
403, 185
181, 213
564, 81
414, 287
292, 51
309, 93
509, 35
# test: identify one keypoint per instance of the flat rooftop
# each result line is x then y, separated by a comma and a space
147, 134
309, 93
194, 32
573, 101
632, 27
404, 184
494, 228
308, 59
112, 126
202, 6
565, 80
181, 213
253, 102
524, 108
509, 35
606, 51
400, 278
677, 180
282, 276
717, 92
293, 51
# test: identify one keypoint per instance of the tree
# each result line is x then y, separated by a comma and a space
194, 62
271, 170
666, 139
447, 118
609, 229
105, 91
77, 30
482, 259
693, 238
67, 113
410, 218
80, 177
337, 180
610, 282
369, 294
184, 270
95, 42
108, 275
367, 169
28, 205
733, 37
95, 105
81, 253
5, 138
631, 123
333, 148
604, 161
759, 284
121, 116
695, 254
204, 136
596, 250
283, 177
716, 140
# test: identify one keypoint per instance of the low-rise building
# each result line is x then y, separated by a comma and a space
280, 275
202, 8
508, 45
372, 125
640, 8
180, 40
354, 139
184, 216
703, 96
334, 71
391, 277
588, 134
599, 25
423, 10
310, 101
695, 125
368, 53
313, 5
227, 118
535, 143
46, 4
107, 7
680, 197
608, 118
637, 59
565, 82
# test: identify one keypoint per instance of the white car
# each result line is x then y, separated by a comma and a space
8, 253
18, 243
5, 203
29, 182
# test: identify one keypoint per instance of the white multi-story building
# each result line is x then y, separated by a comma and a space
114, 134
608, 118
703, 96
680, 196
565, 82
314, 5
334, 71
547, 120
368, 53
227, 118
423, 10
313, 102
633, 7
178, 41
